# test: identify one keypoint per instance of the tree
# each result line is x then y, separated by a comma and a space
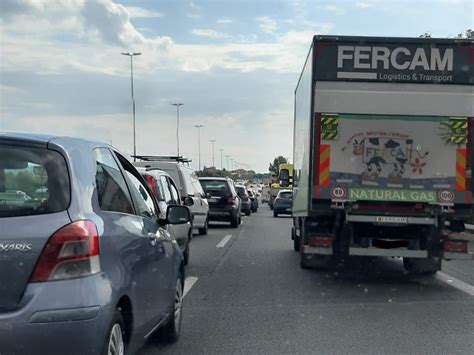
276, 162
469, 34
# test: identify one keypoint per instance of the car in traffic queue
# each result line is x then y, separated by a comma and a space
253, 200
165, 191
245, 197
88, 268
187, 182
225, 205
283, 203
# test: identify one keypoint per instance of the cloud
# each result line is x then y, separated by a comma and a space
331, 8
208, 33
362, 5
267, 24
140, 12
193, 16
225, 21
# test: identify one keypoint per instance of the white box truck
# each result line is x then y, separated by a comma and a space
383, 150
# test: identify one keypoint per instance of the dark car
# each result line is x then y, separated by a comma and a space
254, 200
283, 203
224, 203
245, 197
166, 192
87, 267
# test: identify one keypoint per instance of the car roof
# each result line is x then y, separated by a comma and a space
151, 171
214, 178
63, 141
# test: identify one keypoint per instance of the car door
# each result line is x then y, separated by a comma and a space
155, 270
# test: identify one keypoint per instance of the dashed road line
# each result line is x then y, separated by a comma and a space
454, 282
188, 283
224, 241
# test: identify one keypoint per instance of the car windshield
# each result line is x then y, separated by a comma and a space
32, 181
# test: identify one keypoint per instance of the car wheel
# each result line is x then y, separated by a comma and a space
186, 254
234, 221
203, 230
248, 212
172, 328
275, 214
115, 341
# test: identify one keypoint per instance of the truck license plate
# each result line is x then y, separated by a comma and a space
385, 219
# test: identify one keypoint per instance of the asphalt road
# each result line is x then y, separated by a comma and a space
250, 296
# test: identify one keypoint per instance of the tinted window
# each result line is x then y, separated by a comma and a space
112, 191
241, 191
285, 194
143, 200
166, 190
32, 181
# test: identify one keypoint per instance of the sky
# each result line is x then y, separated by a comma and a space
234, 65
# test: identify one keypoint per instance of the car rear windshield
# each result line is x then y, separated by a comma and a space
33, 181
215, 187
241, 190
287, 194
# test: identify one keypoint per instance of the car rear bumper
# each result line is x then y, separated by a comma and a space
282, 209
59, 317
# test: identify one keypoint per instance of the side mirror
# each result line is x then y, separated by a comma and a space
188, 201
176, 214
208, 195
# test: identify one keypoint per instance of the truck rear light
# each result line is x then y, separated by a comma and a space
71, 252
455, 246
320, 241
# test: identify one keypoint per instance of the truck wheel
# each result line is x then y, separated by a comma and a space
203, 230
422, 266
296, 243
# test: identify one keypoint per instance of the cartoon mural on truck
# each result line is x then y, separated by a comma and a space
392, 152
378, 152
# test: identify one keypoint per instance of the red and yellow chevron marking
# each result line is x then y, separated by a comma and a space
461, 169
324, 151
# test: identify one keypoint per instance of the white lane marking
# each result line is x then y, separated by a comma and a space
224, 241
188, 283
454, 282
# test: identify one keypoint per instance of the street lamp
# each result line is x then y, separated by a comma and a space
177, 104
227, 156
199, 126
131, 55
212, 142
221, 150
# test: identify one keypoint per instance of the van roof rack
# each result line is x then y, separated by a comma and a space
177, 158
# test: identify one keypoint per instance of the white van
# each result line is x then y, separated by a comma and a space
189, 187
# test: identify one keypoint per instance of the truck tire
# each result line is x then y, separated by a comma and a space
315, 261
422, 266
296, 243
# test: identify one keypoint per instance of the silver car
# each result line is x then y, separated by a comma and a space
86, 265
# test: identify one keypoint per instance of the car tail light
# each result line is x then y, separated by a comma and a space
231, 200
455, 246
320, 241
151, 182
72, 251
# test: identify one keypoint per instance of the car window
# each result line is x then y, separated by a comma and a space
112, 190
241, 191
174, 192
188, 181
161, 190
285, 194
166, 190
197, 188
142, 199
32, 181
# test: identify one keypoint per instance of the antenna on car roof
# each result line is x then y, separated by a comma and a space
177, 158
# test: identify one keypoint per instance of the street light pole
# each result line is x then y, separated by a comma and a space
199, 126
227, 156
131, 55
221, 150
177, 104
213, 141
232, 164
